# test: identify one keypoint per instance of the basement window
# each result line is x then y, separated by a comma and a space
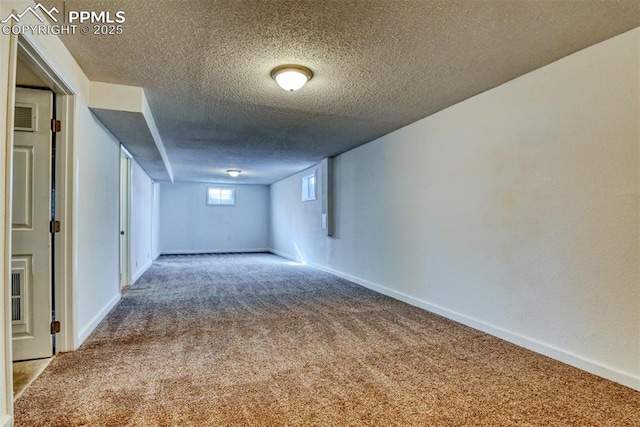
309, 187
221, 196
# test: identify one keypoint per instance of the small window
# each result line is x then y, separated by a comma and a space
221, 196
309, 187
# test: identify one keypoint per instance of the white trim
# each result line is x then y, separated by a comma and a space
65, 105
306, 179
556, 353
211, 251
6, 420
287, 256
86, 331
144, 268
124, 150
7, 377
219, 189
124, 224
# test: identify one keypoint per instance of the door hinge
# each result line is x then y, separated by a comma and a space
56, 125
55, 327
54, 226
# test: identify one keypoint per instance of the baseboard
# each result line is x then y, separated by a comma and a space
287, 256
86, 331
212, 251
561, 355
144, 268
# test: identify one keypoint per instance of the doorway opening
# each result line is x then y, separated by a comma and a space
125, 217
40, 177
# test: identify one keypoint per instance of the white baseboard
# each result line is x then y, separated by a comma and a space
211, 251
553, 352
140, 272
86, 331
287, 256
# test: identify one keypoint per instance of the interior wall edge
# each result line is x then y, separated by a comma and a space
84, 333
285, 255
187, 224
140, 272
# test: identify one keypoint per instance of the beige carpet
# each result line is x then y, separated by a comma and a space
251, 340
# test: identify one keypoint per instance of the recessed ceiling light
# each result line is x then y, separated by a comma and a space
233, 172
291, 77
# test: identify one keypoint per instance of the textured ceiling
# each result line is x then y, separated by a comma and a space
378, 65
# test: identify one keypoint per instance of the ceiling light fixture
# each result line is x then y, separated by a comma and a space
291, 77
233, 172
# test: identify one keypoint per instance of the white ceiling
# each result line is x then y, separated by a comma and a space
379, 65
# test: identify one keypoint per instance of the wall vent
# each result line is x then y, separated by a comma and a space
16, 297
24, 118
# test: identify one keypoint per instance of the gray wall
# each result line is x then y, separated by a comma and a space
515, 212
188, 225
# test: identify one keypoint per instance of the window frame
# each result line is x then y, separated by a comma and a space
210, 201
306, 180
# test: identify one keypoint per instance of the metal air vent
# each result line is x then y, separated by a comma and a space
25, 117
16, 297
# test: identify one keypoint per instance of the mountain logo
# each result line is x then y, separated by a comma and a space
34, 12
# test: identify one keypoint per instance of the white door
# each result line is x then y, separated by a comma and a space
31, 237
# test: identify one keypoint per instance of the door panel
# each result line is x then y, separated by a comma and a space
31, 238
22, 206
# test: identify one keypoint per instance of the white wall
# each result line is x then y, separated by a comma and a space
515, 211
97, 197
188, 225
142, 227
295, 228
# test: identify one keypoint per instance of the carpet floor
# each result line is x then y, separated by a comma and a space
254, 340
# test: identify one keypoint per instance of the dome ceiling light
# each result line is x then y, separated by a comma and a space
233, 172
291, 77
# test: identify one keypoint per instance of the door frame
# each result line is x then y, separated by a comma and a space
125, 217
65, 269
